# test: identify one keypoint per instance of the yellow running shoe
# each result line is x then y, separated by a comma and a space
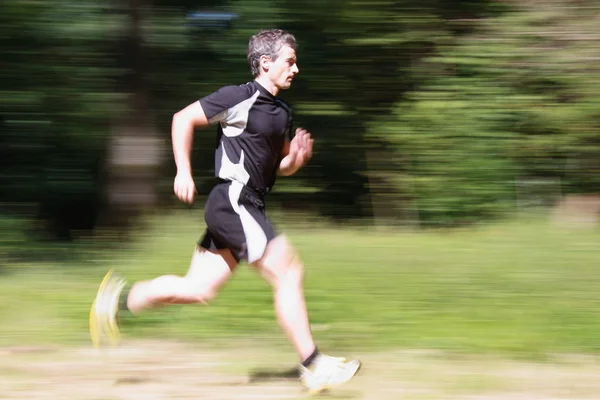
103, 314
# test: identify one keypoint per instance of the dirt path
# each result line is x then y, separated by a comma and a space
166, 370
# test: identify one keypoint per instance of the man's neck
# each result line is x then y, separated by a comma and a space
267, 84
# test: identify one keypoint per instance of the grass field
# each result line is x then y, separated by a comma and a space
498, 312
522, 289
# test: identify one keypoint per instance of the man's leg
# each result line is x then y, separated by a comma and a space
282, 268
208, 272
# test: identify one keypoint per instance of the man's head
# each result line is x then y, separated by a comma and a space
272, 54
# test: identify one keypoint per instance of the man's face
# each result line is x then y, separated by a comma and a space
283, 70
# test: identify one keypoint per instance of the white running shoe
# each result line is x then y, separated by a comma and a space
327, 372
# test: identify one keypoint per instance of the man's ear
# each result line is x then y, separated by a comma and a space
265, 62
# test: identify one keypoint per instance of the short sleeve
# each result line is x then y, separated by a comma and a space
217, 104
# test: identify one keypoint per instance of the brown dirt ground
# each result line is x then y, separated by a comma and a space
149, 370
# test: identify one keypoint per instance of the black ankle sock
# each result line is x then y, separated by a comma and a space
311, 358
123, 298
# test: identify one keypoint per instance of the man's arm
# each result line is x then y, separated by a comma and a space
182, 135
296, 153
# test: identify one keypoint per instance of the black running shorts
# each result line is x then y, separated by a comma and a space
236, 220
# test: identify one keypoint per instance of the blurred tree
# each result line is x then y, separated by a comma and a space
56, 95
507, 104
433, 112
81, 105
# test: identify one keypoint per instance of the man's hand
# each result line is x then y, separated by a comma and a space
302, 146
184, 187
297, 153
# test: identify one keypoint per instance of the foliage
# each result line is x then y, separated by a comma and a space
509, 102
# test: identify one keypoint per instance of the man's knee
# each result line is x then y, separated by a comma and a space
281, 261
279, 251
208, 272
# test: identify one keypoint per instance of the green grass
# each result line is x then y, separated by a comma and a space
524, 289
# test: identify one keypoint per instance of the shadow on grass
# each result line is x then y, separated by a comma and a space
269, 375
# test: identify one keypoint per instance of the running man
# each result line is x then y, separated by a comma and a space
254, 145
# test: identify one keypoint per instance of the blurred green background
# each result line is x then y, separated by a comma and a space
452, 202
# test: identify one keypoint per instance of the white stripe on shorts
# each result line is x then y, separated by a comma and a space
256, 239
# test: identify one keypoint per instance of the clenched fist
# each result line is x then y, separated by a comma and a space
184, 187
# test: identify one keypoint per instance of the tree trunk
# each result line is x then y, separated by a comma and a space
134, 158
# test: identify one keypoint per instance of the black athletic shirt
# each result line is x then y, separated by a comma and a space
252, 127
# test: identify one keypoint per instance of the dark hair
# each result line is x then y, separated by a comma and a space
267, 43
